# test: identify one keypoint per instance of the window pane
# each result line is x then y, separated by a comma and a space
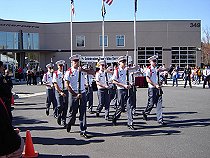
80, 41
120, 40
105, 41
3, 40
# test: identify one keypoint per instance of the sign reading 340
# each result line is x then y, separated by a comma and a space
195, 24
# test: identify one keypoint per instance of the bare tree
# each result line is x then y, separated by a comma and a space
205, 48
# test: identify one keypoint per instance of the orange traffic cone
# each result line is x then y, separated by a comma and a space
29, 147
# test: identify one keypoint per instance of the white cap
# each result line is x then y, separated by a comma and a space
121, 58
49, 65
154, 57
75, 57
60, 62
101, 62
85, 66
110, 68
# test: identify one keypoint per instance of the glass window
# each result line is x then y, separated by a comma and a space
35, 41
120, 40
3, 37
145, 52
30, 41
183, 56
80, 41
105, 40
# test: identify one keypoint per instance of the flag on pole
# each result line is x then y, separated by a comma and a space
109, 2
103, 9
72, 7
135, 6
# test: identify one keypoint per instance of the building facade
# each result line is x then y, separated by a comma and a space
176, 42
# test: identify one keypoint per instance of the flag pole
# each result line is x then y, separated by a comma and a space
134, 32
71, 31
103, 13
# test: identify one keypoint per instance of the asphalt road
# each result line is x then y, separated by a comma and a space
187, 134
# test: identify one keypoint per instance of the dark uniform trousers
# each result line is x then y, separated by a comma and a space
123, 99
154, 99
133, 98
51, 99
206, 80
62, 104
89, 95
76, 104
187, 78
113, 96
104, 101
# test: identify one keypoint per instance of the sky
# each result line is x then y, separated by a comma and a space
47, 11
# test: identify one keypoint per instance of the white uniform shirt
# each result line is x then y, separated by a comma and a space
101, 78
72, 76
58, 78
120, 76
152, 74
47, 79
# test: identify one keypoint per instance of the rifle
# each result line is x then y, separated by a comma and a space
79, 83
127, 74
88, 85
63, 78
160, 92
107, 81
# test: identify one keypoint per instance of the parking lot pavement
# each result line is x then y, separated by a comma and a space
186, 112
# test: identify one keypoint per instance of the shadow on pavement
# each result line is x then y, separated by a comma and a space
60, 156
63, 141
137, 133
18, 120
189, 123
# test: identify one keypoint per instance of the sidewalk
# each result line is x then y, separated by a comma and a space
181, 84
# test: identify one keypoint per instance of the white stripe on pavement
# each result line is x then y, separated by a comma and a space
30, 95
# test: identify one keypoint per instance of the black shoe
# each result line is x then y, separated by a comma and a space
83, 134
107, 118
47, 111
63, 123
144, 116
114, 122
59, 119
68, 128
162, 123
91, 112
97, 114
55, 116
131, 127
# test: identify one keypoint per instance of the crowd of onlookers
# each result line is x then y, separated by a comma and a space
194, 75
31, 75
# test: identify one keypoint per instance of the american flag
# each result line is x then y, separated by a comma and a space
135, 5
109, 2
103, 10
72, 7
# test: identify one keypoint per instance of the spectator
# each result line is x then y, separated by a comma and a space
11, 144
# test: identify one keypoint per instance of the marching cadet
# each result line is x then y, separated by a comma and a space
154, 91
112, 87
61, 93
50, 90
133, 90
89, 90
75, 84
121, 79
102, 82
